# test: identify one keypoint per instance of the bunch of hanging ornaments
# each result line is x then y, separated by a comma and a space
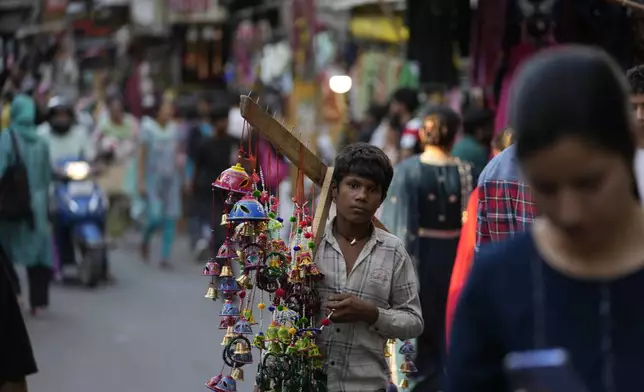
289, 359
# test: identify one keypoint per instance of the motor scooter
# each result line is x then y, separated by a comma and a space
79, 208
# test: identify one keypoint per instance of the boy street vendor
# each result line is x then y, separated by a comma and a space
370, 288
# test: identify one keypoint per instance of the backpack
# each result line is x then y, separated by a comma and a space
15, 197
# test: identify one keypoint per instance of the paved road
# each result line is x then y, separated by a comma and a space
153, 331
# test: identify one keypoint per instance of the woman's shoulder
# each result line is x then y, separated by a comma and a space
505, 261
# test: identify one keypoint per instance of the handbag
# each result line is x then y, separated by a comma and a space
15, 195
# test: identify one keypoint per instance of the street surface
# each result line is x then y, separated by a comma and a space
152, 331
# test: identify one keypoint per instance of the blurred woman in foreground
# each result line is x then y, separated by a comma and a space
575, 280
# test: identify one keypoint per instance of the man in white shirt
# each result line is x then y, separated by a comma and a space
67, 140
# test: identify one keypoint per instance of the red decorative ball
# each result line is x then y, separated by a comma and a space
308, 235
326, 322
280, 292
242, 294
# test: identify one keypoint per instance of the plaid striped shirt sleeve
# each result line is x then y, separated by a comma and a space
402, 320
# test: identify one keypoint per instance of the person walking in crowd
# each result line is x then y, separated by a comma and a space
425, 208
200, 129
467, 241
66, 139
16, 355
575, 143
369, 281
28, 243
211, 154
474, 145
403, 106
160, 178
116, 139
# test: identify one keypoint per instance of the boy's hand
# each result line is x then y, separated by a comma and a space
348, 308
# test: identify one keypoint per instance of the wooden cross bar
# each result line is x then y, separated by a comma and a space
291, 147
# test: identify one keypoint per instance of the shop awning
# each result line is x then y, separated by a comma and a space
379, 28
44, 28
340, 5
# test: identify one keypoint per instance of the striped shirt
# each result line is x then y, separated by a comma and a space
384, 276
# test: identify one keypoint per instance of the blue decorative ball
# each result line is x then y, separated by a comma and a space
271, 308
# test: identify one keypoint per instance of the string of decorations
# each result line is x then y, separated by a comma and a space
288, 358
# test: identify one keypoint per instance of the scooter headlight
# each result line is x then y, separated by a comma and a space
77, 171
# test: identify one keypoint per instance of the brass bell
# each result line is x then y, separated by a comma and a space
228, 337
237, 374
226, 340
226, 272
224, 220
241, 348
244, 281
387, 352
211, 293
404, 384
247, 230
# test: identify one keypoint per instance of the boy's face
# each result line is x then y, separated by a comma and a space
357, 199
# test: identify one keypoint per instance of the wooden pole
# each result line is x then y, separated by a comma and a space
292, 147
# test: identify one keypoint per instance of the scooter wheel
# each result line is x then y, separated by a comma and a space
91, 267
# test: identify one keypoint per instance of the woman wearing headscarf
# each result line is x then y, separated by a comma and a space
25, 243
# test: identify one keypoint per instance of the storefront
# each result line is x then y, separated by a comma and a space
197, 28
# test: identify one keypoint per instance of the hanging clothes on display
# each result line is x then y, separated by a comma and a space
436, 28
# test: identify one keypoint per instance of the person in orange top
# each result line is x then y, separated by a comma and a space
465, 250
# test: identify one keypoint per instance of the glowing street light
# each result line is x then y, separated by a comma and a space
340, 84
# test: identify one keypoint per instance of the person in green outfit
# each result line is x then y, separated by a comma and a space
26, 244
474, 145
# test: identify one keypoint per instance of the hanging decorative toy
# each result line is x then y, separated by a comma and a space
285, 273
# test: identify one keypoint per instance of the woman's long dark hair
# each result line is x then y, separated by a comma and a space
572, 91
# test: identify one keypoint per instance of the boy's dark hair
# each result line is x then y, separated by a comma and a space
407, 97
635, 78
366, 161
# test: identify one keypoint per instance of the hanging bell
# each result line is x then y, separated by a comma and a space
248, 230
404, 384
237, 374
241, 348
211, 293
228, 337
224, 220
245, 281
387, 352
226, 272
226, 340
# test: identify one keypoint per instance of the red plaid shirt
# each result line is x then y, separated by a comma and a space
505, 204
